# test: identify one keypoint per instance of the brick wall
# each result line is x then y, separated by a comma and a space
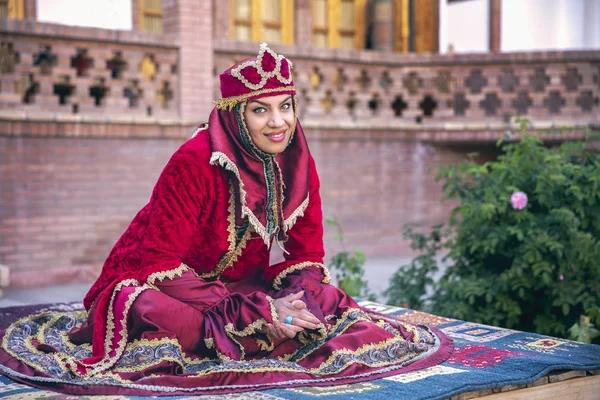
66, 200
374, 185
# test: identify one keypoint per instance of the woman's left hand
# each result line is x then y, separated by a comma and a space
278, 330
292, 306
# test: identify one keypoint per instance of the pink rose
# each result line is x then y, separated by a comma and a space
518, 200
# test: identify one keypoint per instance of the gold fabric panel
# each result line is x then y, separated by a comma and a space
151, 18
320, 28
272, 21
263, 20
338, 23
401, 26
425, 17
12, 9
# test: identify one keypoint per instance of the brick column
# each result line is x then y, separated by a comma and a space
194, 21
135, 15
30, 10
221, 18
495, 20
381, 23
169, 9
303, 23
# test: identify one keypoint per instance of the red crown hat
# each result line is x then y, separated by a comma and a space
266, 74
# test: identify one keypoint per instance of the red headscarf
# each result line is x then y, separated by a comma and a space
272, 191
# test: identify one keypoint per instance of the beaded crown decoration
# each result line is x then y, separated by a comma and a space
264, 75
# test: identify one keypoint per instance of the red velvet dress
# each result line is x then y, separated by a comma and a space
183, 296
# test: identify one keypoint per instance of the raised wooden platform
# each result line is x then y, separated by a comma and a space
559, 385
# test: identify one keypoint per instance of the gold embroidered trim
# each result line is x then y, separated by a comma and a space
109, 360
235, 249
223, 262
162, 341
408, 327
228, 103
412, 329
123, 342
55, 315
331, 329
110, 325
170, 274
67, 362
274, 315
305, 337
257, 64
221, 159
12, 327
157, 342
299, 212
296, 267
361, 350
209, 343
251, 329
317, 370
110, 319
266, 345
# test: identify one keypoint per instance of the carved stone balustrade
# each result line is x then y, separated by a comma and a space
447, 97
52, 72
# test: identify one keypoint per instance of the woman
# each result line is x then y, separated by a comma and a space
187, 301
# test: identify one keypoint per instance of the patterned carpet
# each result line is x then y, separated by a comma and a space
485, 357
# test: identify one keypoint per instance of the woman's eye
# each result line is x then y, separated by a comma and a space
286, 106
259, 110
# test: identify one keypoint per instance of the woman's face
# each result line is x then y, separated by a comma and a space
270, 121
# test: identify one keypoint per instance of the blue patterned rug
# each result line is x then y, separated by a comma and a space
485, 357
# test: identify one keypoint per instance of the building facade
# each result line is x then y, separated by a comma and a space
89, 115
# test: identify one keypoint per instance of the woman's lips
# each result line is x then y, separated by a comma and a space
277, 137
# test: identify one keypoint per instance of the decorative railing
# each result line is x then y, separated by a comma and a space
58, 72
346, 89
65, 72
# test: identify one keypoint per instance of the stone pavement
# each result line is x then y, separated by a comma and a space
377, 272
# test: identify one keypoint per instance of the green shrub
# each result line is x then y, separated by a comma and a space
535, 269
348, 267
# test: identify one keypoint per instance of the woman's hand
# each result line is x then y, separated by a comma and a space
291, 305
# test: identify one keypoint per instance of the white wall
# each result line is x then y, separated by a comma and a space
550, 24
465, 25
108, 14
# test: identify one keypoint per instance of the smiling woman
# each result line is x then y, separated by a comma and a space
188, 301
270, 121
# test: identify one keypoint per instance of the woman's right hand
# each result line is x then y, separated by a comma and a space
291, 305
